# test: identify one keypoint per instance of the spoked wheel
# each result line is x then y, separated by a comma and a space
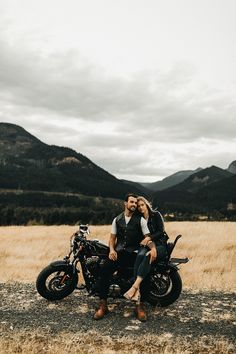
56, 281
164, 288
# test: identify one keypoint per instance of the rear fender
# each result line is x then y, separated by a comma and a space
176, 261
166, 267
173, 267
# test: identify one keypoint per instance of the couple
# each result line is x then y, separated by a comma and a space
141, 229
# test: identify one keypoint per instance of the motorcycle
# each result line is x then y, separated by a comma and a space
60, 278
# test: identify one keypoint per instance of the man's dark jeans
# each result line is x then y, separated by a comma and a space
124, 260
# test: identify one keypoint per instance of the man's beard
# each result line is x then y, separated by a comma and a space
132, 209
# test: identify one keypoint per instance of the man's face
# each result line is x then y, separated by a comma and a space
131, 204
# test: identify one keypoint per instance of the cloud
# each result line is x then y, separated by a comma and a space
66, 85
141, 125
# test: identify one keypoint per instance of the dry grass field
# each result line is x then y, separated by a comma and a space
211, 246
202, 321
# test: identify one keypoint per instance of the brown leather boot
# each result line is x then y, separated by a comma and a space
140, 312
101, 311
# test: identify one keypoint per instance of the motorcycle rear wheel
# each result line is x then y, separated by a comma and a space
55, 282
164, 289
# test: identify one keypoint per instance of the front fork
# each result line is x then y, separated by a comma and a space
66, 259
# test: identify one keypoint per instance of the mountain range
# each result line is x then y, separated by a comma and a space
29, 164
170, 181
51, 177
207, 191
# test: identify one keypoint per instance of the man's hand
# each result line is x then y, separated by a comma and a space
112, 243
113, 255
153, 254
145, 241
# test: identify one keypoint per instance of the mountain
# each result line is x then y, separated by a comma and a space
202, 178
232, 167
207, 190
218, 194
170, 181
27, 163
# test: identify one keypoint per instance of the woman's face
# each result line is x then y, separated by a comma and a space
142, 207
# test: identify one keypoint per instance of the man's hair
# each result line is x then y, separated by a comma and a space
130, 195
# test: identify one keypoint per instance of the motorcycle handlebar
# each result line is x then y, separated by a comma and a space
79, 237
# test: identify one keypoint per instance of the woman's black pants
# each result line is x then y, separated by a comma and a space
142, 264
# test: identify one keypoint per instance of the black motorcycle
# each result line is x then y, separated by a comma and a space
60, 278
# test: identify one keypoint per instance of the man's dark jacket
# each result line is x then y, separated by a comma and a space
128, 235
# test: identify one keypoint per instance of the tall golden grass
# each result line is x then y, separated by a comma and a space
25, 250
36, 342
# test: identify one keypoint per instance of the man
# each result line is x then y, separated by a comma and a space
129, 229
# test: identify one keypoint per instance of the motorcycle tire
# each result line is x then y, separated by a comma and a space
53, 290
170, 296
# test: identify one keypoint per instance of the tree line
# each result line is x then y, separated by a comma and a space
24, 208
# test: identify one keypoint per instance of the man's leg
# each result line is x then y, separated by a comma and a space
106, 271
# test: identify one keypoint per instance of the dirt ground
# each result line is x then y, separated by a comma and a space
199, 322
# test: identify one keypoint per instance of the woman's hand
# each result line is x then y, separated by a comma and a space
153, 254
145, 241
113, 255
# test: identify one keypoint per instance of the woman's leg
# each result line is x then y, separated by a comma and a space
142, 267
141, 253
143, 270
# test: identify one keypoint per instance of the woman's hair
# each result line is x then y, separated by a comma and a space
148, 204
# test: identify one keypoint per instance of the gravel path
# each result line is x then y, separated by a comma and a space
194, 316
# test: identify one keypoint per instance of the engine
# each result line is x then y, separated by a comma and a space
93, 265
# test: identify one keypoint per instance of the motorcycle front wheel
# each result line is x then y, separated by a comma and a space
164, 288
55, 282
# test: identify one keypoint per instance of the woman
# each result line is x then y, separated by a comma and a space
151, 248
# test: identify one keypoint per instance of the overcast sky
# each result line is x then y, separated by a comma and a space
144, 88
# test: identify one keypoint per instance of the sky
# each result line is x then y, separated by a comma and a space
143, 88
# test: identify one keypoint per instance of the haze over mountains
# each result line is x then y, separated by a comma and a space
30, 170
